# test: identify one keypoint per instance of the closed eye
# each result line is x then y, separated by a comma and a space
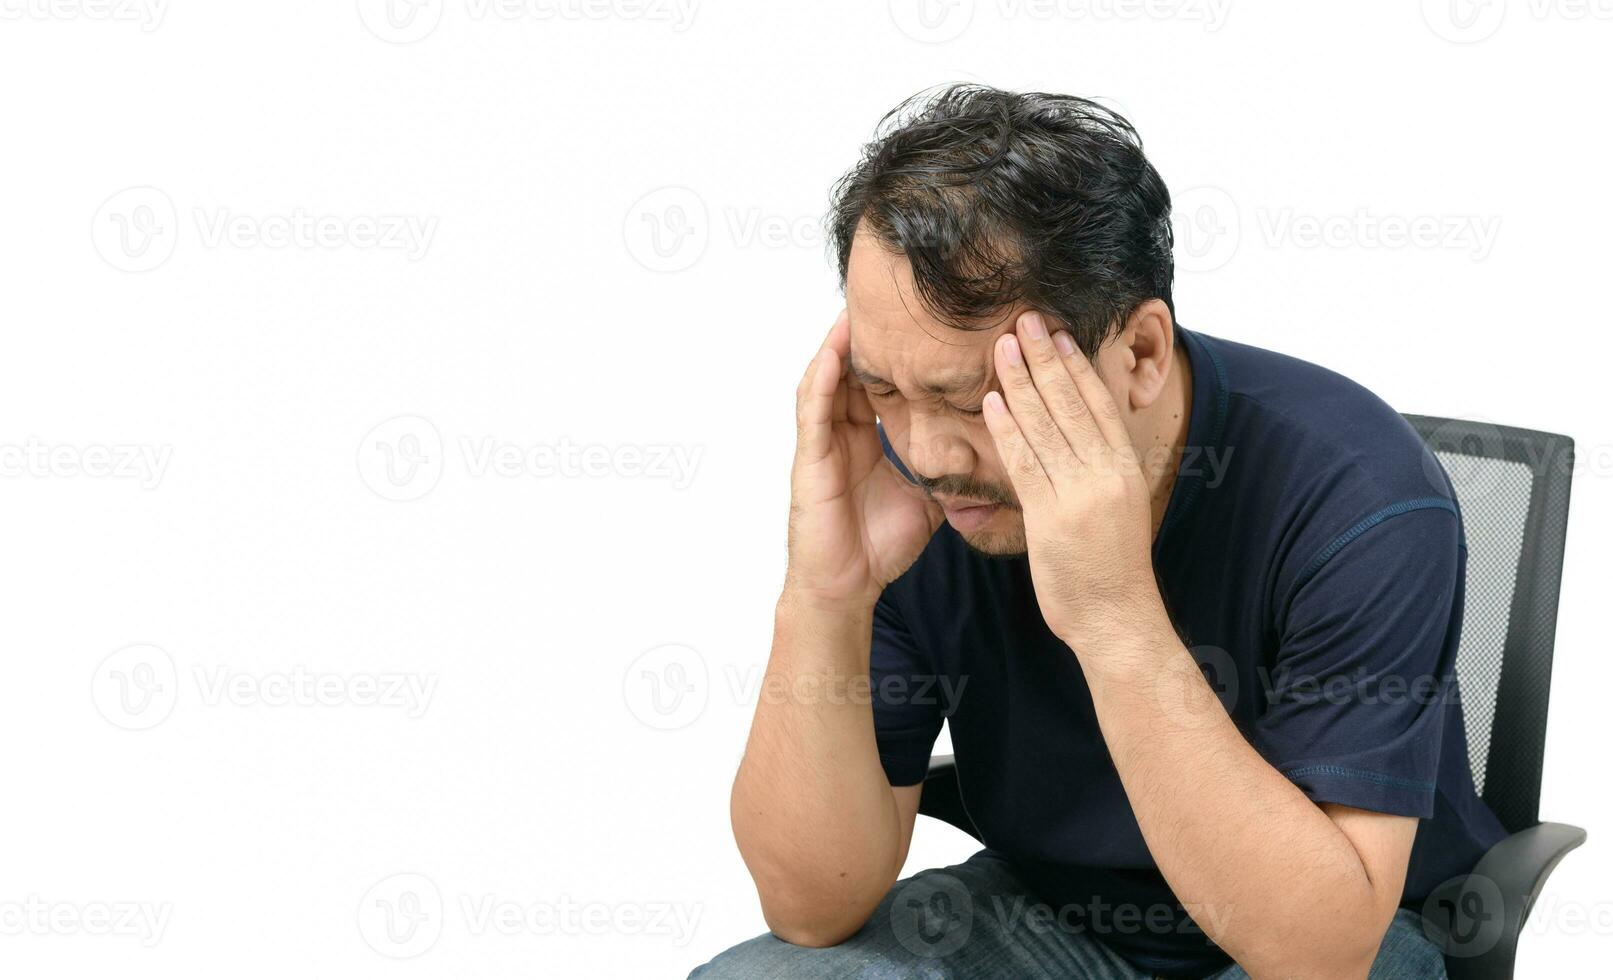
962, 411
882, 395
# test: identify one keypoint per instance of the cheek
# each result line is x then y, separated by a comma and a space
894, 419
1119, 395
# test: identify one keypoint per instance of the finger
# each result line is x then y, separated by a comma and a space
1030, 413
838, 339
815, 397
814, 411
1058, 389
1094, 393
1025, 471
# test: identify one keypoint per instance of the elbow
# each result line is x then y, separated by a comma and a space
1339, 955
813, 928
1339, 963
1354, 953
805, 913
812, 936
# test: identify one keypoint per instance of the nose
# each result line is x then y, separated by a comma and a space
937, 446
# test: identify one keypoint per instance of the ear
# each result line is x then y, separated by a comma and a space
1148, 344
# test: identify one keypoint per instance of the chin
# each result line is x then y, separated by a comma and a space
1003, 537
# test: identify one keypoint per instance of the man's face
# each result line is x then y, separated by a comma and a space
926, 381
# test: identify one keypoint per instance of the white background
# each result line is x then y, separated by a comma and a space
536, 152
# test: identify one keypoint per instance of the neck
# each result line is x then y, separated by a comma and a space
1171, 414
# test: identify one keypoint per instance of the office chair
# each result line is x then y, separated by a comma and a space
1512, 489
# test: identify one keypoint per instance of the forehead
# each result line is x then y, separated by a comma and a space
891, 331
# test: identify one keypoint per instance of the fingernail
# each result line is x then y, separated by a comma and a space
1011, 350
1033, 326
994, 402
1065, 345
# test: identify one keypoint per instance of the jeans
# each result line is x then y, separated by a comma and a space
905, 939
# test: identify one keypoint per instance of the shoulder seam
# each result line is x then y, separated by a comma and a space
1366, 524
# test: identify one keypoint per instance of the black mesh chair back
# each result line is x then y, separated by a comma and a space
1512, 490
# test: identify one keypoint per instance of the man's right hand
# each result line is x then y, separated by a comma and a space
856, 523
821, 829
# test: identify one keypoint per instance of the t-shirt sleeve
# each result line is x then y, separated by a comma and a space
1358, 693
907, 717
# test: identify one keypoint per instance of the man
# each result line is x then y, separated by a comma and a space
1189, 607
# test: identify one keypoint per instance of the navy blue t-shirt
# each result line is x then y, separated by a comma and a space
1311, 558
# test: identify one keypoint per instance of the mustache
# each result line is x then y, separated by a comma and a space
962, 486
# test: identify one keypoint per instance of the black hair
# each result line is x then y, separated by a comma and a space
997, 198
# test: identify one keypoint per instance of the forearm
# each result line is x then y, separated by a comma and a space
1262, 868
813, 813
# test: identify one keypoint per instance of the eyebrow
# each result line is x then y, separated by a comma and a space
961, 382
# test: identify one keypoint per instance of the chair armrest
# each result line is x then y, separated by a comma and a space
1479, 918
943, 798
